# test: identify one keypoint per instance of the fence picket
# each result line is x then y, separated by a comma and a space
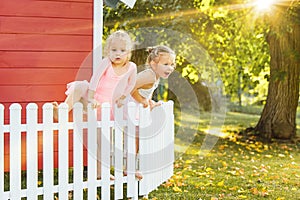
48, 174
32, 151
118, 153
144, 148
1, 150
92, 152
15, 149
63, 157
105, 155
131, 153
169, 142
78, 151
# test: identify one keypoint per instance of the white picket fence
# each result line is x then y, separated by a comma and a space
118, 151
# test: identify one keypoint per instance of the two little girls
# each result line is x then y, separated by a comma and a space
116, 77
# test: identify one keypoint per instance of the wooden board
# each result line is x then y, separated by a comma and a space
40, 76
33, 25
45, 60
56, 9
45, 43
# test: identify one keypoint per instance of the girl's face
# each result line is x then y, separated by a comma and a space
118, 53
165, 65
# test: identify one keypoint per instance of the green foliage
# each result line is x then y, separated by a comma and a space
231, 40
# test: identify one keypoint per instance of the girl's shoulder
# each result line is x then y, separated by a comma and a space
146, 71
148, 75
132, 65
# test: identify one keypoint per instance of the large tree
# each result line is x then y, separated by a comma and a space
278, 119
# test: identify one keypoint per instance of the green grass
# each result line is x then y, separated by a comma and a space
235, 168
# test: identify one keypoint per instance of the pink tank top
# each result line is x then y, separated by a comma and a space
107, 86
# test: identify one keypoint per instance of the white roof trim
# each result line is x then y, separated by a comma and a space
97, 32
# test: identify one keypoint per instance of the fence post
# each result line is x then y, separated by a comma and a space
15, 151
32, 150
156, 147
169, 142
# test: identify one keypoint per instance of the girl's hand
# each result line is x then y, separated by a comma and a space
94, 103
145, 103
153, 104
120, 102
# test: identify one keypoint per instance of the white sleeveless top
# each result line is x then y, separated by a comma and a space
147, 93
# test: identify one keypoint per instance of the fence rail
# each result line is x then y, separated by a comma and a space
71, 172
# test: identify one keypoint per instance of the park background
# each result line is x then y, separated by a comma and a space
238, 60
253, 48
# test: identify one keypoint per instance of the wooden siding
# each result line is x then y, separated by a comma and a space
43, 44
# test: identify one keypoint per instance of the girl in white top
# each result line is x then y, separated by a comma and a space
161, 63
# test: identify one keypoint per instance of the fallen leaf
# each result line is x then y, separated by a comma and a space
177, 189
294, 189
209, 169
254, 191
221, 183
233, 188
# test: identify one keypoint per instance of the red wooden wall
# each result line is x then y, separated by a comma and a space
42, 46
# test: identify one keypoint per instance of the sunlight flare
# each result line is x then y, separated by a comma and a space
262, 5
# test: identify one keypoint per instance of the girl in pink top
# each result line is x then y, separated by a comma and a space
112, 81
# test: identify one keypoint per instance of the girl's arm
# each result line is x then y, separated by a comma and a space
131, 80
91, 99
97, 74
135, 94
130, 84
144, 80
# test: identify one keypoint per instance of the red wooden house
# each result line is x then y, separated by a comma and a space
42, 46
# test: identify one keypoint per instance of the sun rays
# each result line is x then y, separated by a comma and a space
250, 9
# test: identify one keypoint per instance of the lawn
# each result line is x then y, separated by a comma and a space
235, 168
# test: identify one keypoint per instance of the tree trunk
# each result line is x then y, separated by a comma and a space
278, 119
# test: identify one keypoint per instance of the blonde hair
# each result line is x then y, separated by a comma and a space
122, 35
155, 52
